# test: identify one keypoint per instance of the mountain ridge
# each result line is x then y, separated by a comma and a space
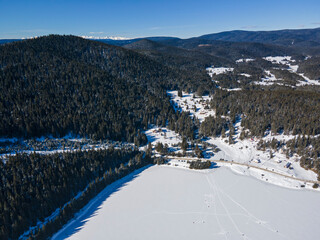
301, 37
286, 37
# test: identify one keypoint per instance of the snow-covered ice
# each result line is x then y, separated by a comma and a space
164, 202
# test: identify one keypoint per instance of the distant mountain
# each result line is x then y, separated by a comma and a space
4, 41
230, 50
306, 38
301, 37
176, 56
128, 41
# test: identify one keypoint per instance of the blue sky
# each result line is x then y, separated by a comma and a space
139, 18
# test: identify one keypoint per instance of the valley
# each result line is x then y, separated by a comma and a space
101, 135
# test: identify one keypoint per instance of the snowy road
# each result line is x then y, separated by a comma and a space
253, 166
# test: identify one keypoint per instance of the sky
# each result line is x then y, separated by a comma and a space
142, 18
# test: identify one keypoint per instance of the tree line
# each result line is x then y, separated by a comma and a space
32, 186
289, 111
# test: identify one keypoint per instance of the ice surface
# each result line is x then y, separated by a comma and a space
166, 202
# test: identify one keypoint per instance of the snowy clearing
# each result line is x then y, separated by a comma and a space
231, 89
212, 71
245, 74
51, 145
163, 135
270, 79
287, 60
165, 202
218, 70
242, 151
245, 151
244, 60
198, 107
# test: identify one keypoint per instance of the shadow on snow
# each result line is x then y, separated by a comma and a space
92, 208
214, 165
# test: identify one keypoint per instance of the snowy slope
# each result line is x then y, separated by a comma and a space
198, 107
288, 61
218, 70
244, 60
269, 79
246, 152
166, 202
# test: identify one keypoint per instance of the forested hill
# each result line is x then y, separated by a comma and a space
184, 59
230, 50
55, 85
297, 37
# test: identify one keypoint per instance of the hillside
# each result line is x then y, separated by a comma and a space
129, 41
299, 37
176, 56
85, 88
244, 43
255, 65
100, 111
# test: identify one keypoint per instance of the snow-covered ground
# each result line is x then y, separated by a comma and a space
246, 152
243, 151
244, 60
165, 202
245, 74
288, 61
285, 60
174, 202
270, 79
163, 135
198, 107
213, 71
51, 145
218, 70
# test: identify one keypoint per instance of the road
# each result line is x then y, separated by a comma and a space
249, 165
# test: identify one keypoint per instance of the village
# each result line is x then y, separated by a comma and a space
245, 156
